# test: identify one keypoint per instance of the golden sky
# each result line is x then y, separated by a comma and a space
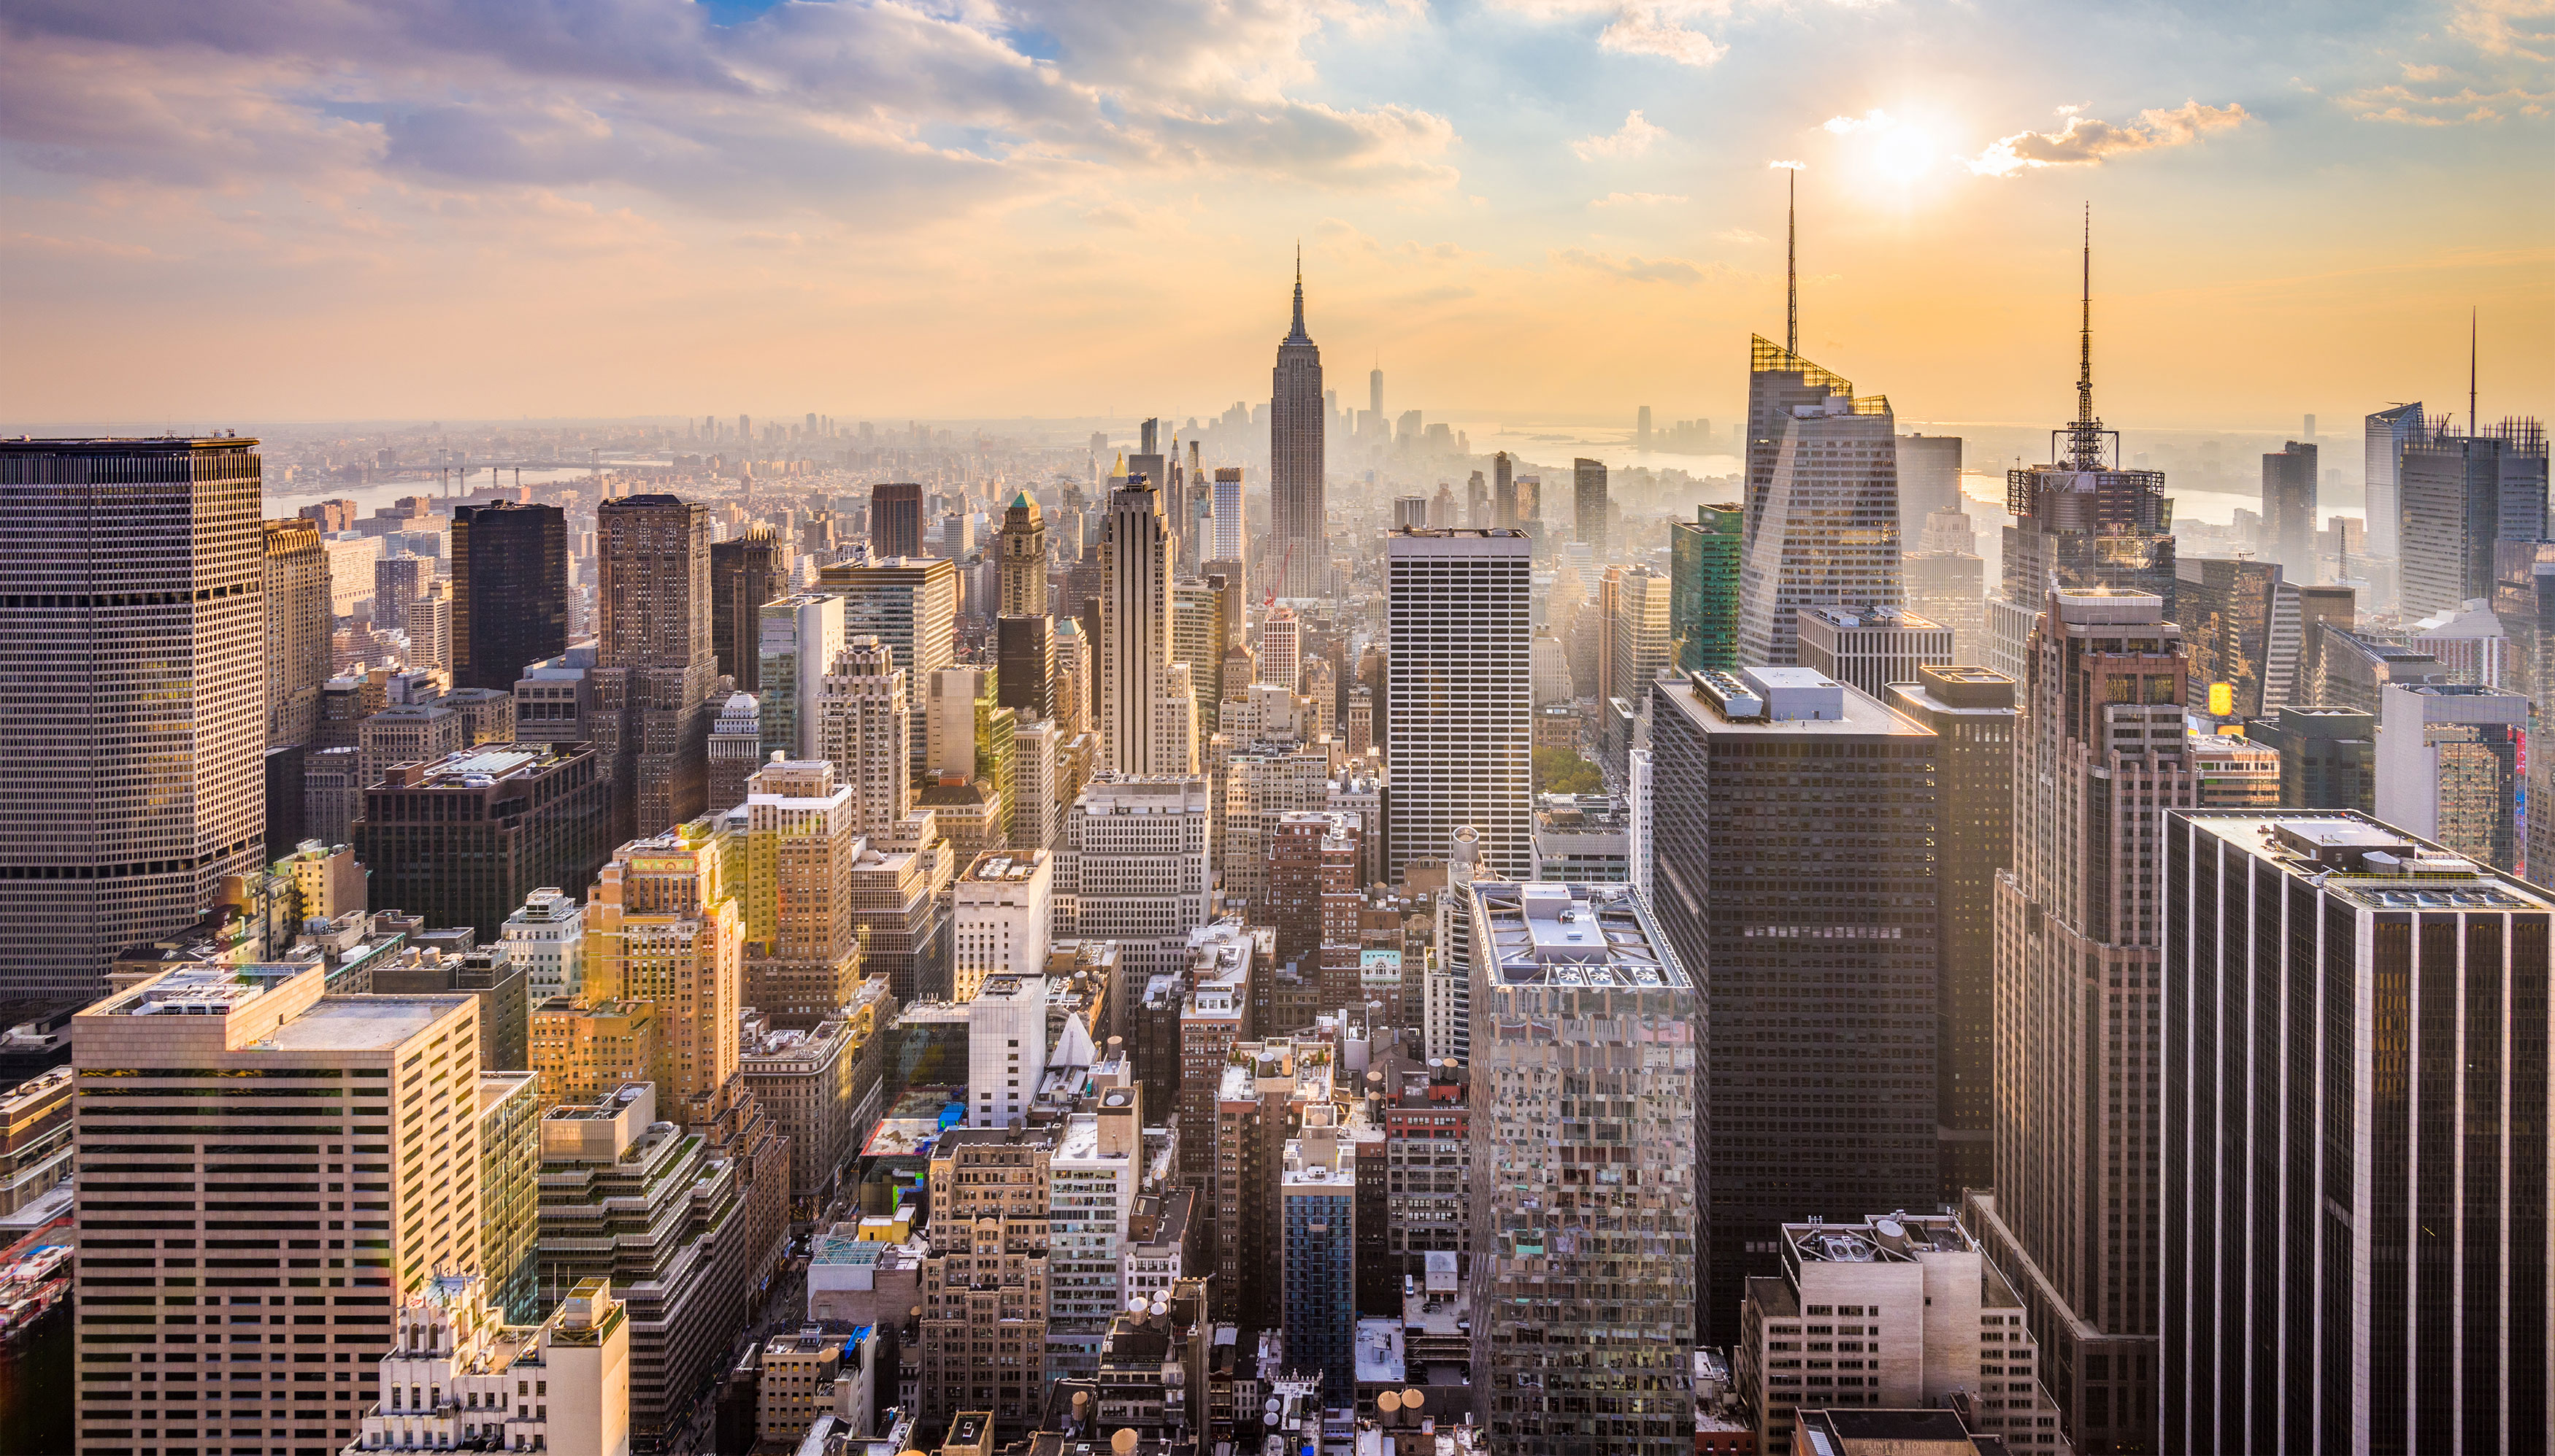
227, 211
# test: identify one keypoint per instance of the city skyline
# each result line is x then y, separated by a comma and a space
983, 197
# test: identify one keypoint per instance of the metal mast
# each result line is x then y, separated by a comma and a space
2086, 434
1791, 261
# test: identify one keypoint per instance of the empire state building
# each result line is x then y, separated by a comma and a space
1299, 561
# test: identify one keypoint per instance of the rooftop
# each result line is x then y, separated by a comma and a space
1575, 936
1894, 1238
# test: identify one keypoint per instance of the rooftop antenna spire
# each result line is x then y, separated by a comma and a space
1299, 287
1792, 260
2087, 433
2474, 423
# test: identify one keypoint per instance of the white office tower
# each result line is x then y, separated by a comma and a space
798, 639
547, 938
243, 1075
1894, 1312
862, 728
1586, 1090
1457, 696
1828, 535
1036, 817
2383, 437
560, 1387
2355, 1141
1093, 1177
1135, 869
1006, 1049
1645, 854
2451, 759
1134, 626
1002, 919
1281, 649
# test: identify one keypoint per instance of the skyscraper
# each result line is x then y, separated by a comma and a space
910, 604
864, 727
1929, 480
295, 1072
509, 592
298, 625
1134, 626
1228, 529
664, 927
1457, 701
1703, 588
2384, 434
1504, 498
2103, 753
2290, 510
1588, 507
1137, 868
1297, 518
896, 519
465, 839
653, 667
1972, 715
745, 573
2080, 520
2450, 762
1024, 553
795, 639
1825, 532
2225, 608
802, 944
135, 777
1796, 828
2354, 1075
1586, 1081
2460, 496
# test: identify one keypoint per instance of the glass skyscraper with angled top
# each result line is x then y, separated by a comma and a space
1823, 504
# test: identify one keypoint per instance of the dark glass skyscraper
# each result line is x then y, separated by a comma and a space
1795, 860
896, 521
745, 573
509, 592
1588, 505
653, 667
2290, 510
1299, 559
2461, 496
2354, 1152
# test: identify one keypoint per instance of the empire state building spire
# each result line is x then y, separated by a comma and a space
1301, 555
1298, 336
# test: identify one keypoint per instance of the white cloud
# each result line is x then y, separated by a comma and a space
1633, 268
1638, 199
1631, 138
1646, 31
2085, 141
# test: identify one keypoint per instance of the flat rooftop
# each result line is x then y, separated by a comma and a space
362, 1023
1575, 936
1865, 716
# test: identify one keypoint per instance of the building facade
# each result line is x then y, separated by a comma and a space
510, 567
1457, 709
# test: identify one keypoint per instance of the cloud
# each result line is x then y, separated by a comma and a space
2085, 141
1787, 165
1739, 235
1638, 199
1630, 140
2436, 106
1645, 30
1632, 270
2516, 28
1874, 120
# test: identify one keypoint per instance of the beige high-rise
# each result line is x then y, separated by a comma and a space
662, 928
802, 953
134, 649
328, 1149
864, 725
1024, 542
655, 661
2102, 756
298, 621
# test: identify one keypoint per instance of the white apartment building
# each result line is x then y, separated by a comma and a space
1002, 918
